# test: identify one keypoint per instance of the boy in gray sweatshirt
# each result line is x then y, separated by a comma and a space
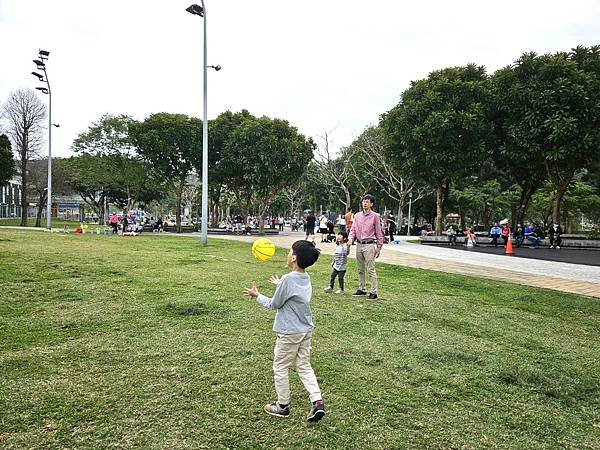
293, 327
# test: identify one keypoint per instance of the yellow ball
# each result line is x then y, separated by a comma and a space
263, 249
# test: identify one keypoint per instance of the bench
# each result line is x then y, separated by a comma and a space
253, 231
569, 242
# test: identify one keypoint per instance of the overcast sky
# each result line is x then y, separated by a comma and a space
323, 65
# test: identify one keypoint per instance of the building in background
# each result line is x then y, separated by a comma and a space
10, 199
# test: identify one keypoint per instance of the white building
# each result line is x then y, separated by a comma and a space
10, 199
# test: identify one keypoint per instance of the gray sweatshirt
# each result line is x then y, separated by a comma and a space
291, 300
340, 258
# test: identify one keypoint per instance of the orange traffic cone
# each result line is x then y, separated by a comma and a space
509, 249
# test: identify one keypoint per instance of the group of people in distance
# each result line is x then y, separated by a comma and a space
502, 230
293, 323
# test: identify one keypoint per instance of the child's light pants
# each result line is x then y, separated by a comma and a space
290, 348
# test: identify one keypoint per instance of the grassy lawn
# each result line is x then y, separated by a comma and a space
109, 342
56, 223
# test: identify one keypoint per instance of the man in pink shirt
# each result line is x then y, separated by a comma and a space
366, 231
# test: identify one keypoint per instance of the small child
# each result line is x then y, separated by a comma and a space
340, 262
293, 326
470, 237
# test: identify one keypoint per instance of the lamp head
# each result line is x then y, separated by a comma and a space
196, 10
217, 67
44, 54
43, 89
40, 77
39, 64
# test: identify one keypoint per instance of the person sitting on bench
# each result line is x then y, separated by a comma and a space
554, 233
530, 235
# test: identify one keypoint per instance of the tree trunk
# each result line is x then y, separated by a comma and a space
560, 193
526, 194
178, 210
440, 193
101, 212
40, 208
23, 194
347, 194
262, 209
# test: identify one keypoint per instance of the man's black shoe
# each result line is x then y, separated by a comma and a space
372, 296
359, 293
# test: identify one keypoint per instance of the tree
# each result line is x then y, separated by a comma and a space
514, 156
38, 186
24, 113
270, 155
336, 171
368, 158
7, 163
550, 116
89, 176
130, 180
219, 163
440, 130
170, 144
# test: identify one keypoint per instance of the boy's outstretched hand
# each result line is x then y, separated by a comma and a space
274, 279
251, 292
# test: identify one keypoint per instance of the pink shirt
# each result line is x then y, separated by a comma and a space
366, 227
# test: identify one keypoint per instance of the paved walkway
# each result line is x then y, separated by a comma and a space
565, 277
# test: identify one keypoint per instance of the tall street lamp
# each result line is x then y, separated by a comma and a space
198, 10
41, 65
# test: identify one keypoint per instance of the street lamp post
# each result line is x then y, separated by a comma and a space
201, 11
409, 205
41, 65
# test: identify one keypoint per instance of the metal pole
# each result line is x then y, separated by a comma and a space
105, 209
204, 223
49, 193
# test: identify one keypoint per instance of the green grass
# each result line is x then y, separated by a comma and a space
109, 342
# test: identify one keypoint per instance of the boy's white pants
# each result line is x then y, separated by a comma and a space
290, 348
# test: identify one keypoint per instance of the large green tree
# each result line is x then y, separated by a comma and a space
549, 117
440, 131
7, 163
171, 145
90, 176
264, 156
130, 181
219, 162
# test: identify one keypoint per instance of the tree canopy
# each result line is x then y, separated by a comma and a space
440, 130
7, 163
264, 157
171, 146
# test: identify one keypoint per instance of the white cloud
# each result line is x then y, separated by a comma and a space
319, 64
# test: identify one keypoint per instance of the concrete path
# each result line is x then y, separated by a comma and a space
566, 277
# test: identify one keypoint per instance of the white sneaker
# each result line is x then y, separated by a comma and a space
558, 246
339, 291
552, 246
328, 289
